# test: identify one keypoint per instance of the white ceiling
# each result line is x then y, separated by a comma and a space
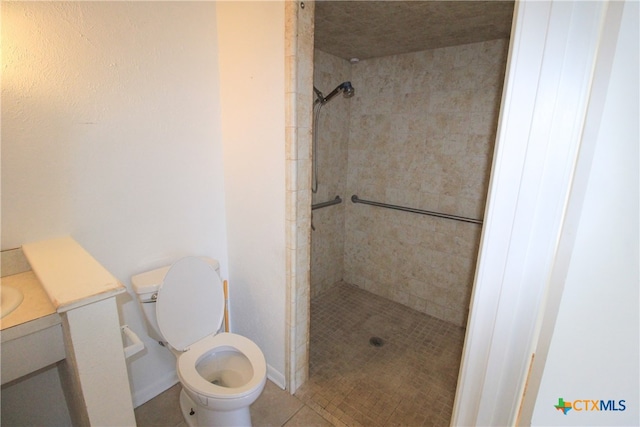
367, 29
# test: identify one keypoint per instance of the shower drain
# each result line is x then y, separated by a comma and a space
376, 341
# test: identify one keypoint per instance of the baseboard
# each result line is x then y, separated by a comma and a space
143, 396
276, 377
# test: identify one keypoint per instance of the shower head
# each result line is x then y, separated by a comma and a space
346, 88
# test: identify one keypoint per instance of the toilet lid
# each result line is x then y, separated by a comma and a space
190, 302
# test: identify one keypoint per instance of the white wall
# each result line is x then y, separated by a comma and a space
111, 134
594, 349
251, 37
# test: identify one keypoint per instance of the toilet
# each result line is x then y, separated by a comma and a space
221, 373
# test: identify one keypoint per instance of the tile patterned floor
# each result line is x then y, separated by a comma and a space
409, 381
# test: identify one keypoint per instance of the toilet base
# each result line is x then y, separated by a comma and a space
188, 408
199, 416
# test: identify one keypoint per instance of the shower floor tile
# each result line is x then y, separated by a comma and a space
409, 380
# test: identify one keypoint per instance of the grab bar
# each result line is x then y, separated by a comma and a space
355, 199
335, 201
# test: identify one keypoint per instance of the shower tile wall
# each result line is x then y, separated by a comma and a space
327, 241
421, 133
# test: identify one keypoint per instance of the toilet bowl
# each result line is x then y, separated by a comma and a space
221, 373
224, 373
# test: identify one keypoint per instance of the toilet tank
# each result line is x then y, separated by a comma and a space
146, 286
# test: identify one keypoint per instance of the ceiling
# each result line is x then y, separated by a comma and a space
368, 29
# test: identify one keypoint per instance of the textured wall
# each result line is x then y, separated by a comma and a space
110, 133
421, 135
327, 240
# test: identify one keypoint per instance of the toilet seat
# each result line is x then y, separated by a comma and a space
190, 302
191, 378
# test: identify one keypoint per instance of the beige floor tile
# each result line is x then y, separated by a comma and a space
162, 410
307, 417
274, 407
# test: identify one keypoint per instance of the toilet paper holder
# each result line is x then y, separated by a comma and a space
136, 345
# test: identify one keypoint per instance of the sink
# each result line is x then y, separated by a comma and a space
10, 299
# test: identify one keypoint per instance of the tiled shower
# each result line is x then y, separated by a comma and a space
419, 132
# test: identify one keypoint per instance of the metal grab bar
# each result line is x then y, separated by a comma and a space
335, 201
355, 199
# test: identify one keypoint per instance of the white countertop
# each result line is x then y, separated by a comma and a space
69, 274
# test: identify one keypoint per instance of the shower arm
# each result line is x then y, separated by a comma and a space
337, 90
332, 94
344, 87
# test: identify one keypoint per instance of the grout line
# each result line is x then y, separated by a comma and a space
292, 415
295, 413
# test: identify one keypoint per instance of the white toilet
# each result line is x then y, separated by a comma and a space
221, 373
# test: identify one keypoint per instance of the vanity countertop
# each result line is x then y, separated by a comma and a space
36, 306
69, 274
